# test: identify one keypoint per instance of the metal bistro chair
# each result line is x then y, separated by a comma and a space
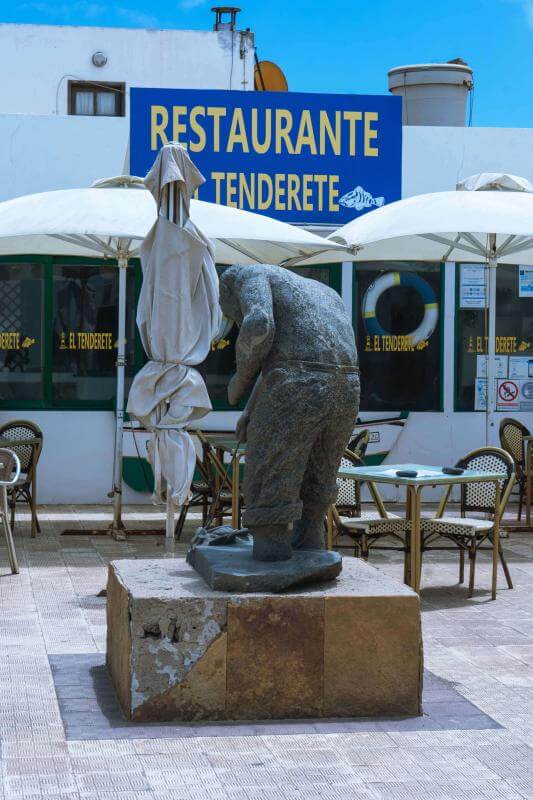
366, 528
201, 495
222, 484
469, 533
359, 442
512, 434
205, 491
9, 475
213, 491
28, 454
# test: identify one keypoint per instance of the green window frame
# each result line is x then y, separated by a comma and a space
47, 402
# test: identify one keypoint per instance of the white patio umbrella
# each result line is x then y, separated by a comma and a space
110, 220
489, 219
178, 316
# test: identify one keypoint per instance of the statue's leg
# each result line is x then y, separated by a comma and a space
280, 437
308, 533
271, 542
319, 485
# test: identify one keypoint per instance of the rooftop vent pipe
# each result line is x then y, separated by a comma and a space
433, 94
225, 17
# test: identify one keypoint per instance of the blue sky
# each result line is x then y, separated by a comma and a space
348, 45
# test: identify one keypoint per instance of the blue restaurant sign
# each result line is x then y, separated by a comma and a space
307, 158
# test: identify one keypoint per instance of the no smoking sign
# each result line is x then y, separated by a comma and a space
508, 394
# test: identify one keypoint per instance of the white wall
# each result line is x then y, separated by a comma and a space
39, 154
435, 159
37, 61
77, 458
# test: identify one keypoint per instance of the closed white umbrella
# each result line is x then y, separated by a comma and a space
178, 316
111, 219
489, 219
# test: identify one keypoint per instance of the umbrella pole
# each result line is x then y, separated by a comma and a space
117, 528
490, 438
169, 523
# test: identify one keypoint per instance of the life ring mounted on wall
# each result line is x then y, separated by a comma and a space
388, 281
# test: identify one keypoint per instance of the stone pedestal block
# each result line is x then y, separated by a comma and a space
178, 650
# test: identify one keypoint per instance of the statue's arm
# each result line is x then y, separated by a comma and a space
244, 419
256, 334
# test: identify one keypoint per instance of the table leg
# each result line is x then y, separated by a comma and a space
409, 511
413, 516
417, 525
235, 492
496, 541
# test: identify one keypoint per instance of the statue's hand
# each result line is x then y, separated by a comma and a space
235, 390
242, 427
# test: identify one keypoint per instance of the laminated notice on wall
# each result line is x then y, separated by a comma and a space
525, 281
501, 366
480, 402
520, 367
473, 286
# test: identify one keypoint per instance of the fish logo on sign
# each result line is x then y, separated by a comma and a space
360, 199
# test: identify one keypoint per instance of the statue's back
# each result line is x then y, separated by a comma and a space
311, 321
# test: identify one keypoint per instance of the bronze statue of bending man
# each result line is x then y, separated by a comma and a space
296, 354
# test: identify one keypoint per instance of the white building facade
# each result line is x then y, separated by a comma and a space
64, 124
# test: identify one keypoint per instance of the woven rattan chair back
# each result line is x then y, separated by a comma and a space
482, 496
359, 442
512, 434
349, 491
18, 430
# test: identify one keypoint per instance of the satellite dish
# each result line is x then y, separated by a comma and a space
268, 77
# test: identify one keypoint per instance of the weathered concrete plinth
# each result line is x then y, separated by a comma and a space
178, 650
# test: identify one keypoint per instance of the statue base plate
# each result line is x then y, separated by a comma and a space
231, 568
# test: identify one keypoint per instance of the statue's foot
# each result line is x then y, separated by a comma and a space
309, 530
271, 542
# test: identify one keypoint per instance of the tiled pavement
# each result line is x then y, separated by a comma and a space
90, 709
52, 616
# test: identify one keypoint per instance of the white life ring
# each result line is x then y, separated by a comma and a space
387, 281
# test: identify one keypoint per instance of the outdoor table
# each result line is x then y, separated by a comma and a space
226, 443
426, 476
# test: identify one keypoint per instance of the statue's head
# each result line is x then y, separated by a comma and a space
229, 293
